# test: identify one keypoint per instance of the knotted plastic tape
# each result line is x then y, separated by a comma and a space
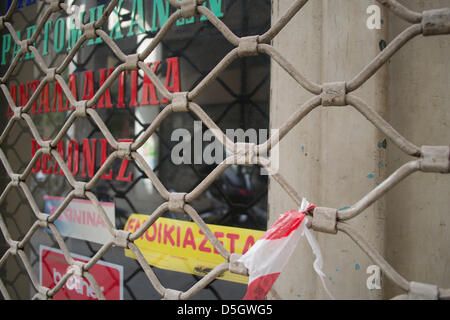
269, 255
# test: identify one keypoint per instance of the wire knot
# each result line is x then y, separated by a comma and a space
17, 113
188, 8
55, 5
333, 94
177, 202
23, 46
245, 153
121, 239
80, 189
46, 147
131, 62
180, 102
325, 220
248, 46
14, 247
236, 266
51, 74
77, 269
171, 294
15, 180
436, 22
89, 30
124, 150
435, 159
81, 108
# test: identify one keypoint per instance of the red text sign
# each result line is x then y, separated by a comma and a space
53, 99
81, 159
53, 267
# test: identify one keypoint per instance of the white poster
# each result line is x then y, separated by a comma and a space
80, 220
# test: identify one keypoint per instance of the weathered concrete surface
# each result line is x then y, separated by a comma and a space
418, 216
335, 156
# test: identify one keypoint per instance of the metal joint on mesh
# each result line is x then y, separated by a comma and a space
248, 46
80, 190
43, 293
235, 266
435, 22
55, 5
121, 238
333, 94
422, 291
177, 202
188, 8
89, 30
44, 223
180, 102
77, 268
51, 74
131, 62
245, 153
325, 220
124, 150
46, 147
14, 247
23, 46
171, 294
17, 113
15, 180
435, 159
81, 108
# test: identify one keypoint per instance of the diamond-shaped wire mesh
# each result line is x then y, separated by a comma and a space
433, 159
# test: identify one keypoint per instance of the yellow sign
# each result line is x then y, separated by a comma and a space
181, 246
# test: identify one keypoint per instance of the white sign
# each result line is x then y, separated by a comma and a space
80, 219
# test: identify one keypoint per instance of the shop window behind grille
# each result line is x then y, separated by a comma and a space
238, 99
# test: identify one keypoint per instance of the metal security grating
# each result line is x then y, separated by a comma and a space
433, 159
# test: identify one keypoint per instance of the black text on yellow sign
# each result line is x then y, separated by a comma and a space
181, 246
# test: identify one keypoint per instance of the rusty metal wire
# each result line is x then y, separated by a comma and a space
434, 159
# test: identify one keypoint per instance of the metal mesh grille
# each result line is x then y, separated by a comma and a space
428, 159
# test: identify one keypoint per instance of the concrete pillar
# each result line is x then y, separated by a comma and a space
335, 156
417, 213
332, 157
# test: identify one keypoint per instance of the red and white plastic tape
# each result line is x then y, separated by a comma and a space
269, 255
